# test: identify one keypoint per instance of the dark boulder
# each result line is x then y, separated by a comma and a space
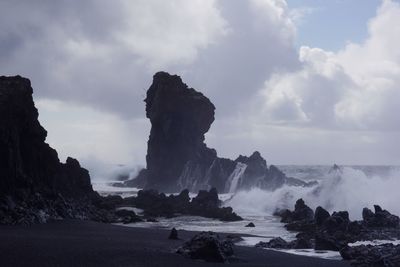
206, 199
250, 225
321, 215
301, 219
302, 211
127, 216
366, 255
277, 242
207, 246
173, 235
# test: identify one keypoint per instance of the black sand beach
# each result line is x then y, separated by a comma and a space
85, 243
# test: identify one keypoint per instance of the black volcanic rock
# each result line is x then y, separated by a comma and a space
250, 224
34, 185
180, 116
205, 204
323, 231
207, 246
367, 255
173, 235
381, 218
321, 215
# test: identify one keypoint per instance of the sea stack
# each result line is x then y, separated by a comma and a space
177, 157
180, 116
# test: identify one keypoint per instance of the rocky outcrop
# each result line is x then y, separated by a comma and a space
324, 231
34, 185
279, 243
207, 246
381, 218
180, 116
367, 255
177, 157
26, 161
205, 204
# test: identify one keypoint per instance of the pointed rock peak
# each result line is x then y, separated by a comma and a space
255, 157
73, 162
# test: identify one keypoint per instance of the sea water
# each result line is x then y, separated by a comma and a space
352, 188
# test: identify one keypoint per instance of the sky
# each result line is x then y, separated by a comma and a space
303, 82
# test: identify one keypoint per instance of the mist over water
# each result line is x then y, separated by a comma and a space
351, 189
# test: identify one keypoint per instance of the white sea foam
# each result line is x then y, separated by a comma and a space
351, 190
374, 243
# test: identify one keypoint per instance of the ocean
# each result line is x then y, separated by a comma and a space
351, 189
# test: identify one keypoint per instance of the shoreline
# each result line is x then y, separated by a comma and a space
88, 243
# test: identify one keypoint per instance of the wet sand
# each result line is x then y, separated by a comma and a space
85, 243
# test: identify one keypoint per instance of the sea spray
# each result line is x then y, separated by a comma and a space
348, 189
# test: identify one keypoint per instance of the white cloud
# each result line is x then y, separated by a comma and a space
170, 32
355, 88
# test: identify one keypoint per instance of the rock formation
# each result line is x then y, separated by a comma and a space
205, 204
177, 157
26, 161
34, 185
323, 231
208, 246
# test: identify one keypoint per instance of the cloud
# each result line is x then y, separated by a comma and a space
100, 53
354, 89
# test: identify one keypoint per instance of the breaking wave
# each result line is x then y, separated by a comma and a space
348, 189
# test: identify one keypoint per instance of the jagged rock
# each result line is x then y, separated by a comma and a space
381, 218
321, 215
205, 199
382, 255
205, 204
301, 212
279, 243
250, 225
173, 235
301, 219
33, 183
207, 246
336, 231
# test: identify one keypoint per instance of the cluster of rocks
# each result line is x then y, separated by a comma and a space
208, 246
368, 255
205, 204
177, 157
324, 231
